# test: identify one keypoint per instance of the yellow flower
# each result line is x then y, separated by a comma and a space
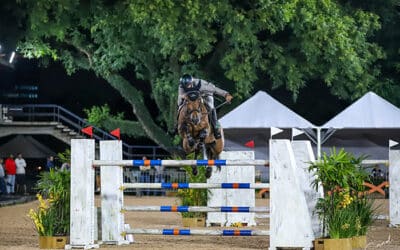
346, 200
36, 218
358, 223
345, 226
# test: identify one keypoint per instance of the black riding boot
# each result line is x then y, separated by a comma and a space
214, 124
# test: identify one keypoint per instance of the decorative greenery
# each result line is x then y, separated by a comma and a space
65, 157
194, 197
344, 210
51, 218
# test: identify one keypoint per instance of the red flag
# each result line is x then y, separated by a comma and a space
250, 144
88, 131
116, 133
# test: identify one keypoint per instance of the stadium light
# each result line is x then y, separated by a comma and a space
12, 57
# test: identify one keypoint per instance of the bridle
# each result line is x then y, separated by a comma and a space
198, 109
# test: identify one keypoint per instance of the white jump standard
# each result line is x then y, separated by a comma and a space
290, 223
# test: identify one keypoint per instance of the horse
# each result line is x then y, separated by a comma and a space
196, 131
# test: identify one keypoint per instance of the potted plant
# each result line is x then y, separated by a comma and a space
52, 216
194, 197
345, 211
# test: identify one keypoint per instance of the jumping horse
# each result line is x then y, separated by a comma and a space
195, 129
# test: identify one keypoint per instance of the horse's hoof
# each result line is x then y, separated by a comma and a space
219, 168
194, 170
203, 135
191, 142
208, 172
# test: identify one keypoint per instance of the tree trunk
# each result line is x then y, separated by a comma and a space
135, 98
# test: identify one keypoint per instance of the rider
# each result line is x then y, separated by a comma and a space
207, 90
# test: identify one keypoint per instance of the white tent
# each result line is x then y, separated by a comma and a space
370, 111
263, 111
28, 146
364, 127
252, 120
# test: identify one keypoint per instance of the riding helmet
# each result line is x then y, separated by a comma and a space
185, 80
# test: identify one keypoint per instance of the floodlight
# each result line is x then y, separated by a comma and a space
12, 57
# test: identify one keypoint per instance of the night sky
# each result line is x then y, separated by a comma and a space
83, 90
76, 92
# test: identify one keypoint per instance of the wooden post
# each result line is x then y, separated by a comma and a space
82, 223
112, 197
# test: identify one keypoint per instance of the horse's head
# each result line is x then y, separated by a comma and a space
195, 108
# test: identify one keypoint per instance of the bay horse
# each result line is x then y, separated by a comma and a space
196, 131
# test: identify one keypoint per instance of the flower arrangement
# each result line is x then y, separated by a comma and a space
43, 217
51, 218
345, 211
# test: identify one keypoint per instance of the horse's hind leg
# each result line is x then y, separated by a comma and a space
208, 171
194, 170
196, 155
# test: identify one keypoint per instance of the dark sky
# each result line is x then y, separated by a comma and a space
76, 92
83, 90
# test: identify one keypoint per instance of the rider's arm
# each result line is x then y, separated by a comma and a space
181, 95
209, 88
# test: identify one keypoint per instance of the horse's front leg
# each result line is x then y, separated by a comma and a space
186, 136
203, 134
203, 130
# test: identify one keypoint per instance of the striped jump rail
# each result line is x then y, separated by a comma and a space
375, 162
196, 185
176, 231
225, 209
179, 163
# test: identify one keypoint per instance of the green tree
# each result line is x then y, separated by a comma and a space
284, 43
387, 37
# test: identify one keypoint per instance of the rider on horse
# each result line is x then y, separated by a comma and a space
207, 90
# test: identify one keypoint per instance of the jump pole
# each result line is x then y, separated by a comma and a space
181, 209
176, 231
196, 185
179, 163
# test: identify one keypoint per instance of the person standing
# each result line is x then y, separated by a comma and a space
66, 166
3, 188
50, 163
11, 170
21, 181
159, 177
144, 175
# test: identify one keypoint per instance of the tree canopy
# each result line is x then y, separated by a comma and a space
235, 44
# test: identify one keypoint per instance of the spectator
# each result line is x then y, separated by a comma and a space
3, 188
159, 177
144, 176
375, 171
21, 181
11, 170
65, 166
50, 163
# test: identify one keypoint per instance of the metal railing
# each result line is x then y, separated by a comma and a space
60, 115
132, 175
